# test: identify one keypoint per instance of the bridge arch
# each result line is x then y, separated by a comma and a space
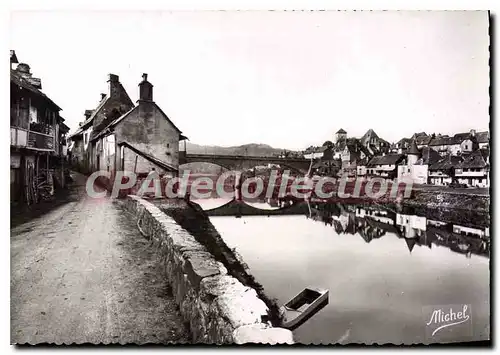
241, 163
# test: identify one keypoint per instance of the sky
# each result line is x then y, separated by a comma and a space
287, 79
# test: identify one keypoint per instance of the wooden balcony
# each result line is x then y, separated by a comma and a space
40, 141
23, 138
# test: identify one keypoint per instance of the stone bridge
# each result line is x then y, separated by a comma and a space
239, 208
241, 162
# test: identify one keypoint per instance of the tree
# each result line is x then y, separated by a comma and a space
327, 144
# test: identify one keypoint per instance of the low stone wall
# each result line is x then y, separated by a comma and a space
218, 308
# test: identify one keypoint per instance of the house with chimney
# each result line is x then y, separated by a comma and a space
112, 105
37, 137
474, 170
138, 140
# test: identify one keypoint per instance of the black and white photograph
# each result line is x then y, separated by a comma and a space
250, 177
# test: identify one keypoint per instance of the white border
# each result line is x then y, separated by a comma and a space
7, 6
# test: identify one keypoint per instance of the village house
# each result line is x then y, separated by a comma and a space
422, 139
411, 168
401, 146
474, 170
112, 105
483, 139
458, 144
37, 138
139, 140
415, 166
340, 136
374, 144
353, 152
384, 166
442, 172
361, 167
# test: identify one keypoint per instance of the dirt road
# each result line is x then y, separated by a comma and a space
82, 273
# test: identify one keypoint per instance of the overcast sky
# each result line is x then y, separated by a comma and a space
288, 79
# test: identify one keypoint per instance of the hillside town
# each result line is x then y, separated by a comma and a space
436, 159
113, 136
123, 231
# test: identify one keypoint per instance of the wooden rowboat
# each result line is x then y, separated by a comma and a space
303, 306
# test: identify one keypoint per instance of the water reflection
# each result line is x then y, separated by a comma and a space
381, 267
373, 222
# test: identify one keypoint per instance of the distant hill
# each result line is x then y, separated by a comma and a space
251, 149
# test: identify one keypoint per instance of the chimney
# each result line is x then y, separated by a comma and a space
80, 124
24, 69
88, 113
145, 89
114, 84
472, 132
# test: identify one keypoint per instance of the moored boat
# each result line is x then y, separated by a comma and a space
303, 306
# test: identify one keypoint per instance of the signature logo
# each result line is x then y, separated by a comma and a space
445, 317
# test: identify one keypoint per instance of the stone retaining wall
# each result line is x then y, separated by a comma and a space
218, 308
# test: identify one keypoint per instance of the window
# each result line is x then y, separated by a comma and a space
33, 115
168, 145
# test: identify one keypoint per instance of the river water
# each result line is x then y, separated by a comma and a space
382, 270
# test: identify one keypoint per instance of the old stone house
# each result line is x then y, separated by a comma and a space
474, 170
112, 105
442, 172
385, 166
140, 139
37, 138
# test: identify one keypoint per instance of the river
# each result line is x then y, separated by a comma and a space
381, 269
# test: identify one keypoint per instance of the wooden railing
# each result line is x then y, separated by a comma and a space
23, 138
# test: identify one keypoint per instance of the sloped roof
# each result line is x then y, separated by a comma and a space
126, 114
429, 156
63, 128
413, 149
474, 160
363, 162
446, 163
483, 137
423, 140
368, 135
341, 131
149, 157
13, 57
18, 80
444, 141
420, 134
404, 140
389, 159
99, 107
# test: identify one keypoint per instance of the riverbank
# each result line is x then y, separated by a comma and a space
460, 208
192, 218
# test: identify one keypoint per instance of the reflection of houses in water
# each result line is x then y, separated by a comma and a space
372, 223
379, 215
473, 232
411, 226
430, 222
